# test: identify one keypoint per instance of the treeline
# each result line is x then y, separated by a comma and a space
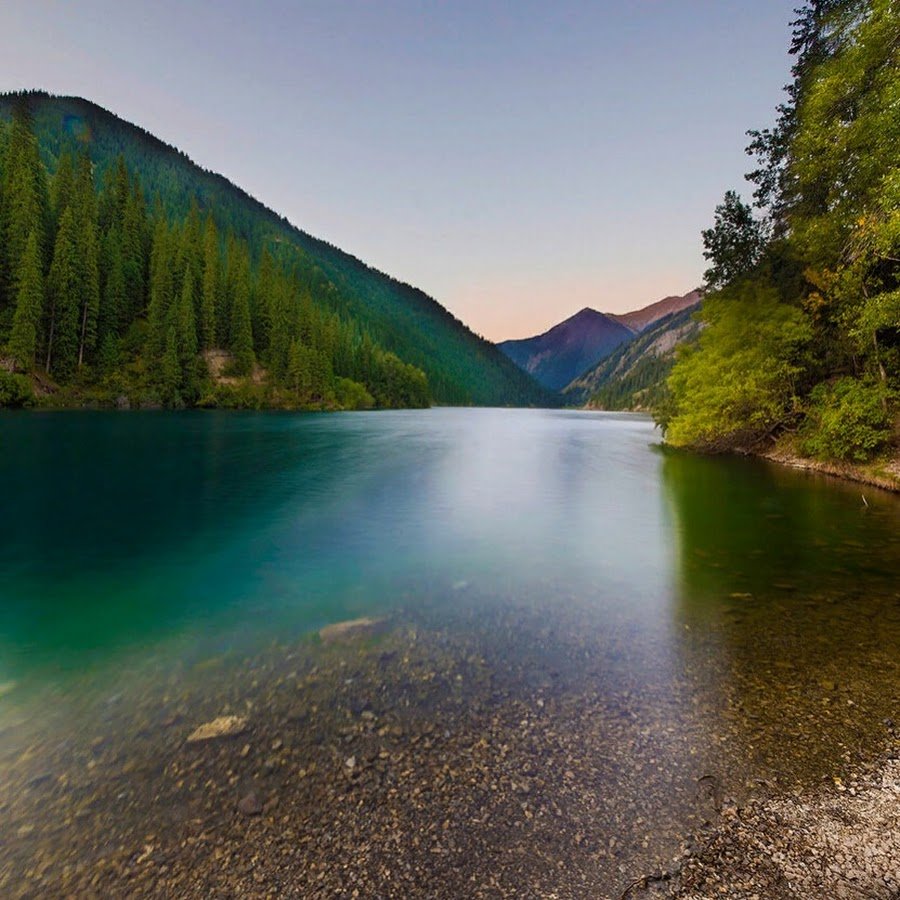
803, 316
105, 293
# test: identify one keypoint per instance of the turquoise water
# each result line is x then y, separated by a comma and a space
600, 638
127, 533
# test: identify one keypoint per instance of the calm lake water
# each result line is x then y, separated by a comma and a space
691, 618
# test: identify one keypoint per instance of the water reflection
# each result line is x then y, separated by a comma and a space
787, 607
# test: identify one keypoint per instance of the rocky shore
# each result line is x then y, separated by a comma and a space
392, 758
884, 473
840, 842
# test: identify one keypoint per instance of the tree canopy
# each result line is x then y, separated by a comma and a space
803, 334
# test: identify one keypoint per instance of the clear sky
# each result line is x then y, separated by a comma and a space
517, 160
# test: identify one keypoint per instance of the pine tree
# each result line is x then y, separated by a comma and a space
279, 345
241, 327
170, 370
209, 301
62, 187
161, 289
26, 205
186, 325
29, 307
297, 371
190, 248
135, 249
84, 204
262, 302
62, 291
112, 319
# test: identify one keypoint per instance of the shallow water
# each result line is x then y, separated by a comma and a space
647, 633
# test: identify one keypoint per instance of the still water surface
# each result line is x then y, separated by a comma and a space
723, 615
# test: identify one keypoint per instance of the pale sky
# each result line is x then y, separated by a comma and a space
516, 160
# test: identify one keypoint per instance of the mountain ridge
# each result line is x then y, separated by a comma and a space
633, 376
562, 352
461, 366
567, 350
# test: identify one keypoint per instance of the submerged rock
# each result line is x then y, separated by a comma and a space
249, 804
348, 630
223, 726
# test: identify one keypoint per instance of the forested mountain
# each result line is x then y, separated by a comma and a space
803, 317
126, 269
557, 356
634, 375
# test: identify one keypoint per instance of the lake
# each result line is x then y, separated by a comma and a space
582, 647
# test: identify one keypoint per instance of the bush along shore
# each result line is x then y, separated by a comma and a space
801, 320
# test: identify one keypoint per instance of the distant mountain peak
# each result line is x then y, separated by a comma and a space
564, 351
570, 348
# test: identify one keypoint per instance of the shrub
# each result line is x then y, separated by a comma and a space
352, 395
847, 420
15, 390
736, 385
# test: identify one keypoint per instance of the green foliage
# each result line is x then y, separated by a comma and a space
25, 206
829, 179
739, 383
352, 395
847, 420
171, 376
63, 291
733, 246
29, 307
15, 390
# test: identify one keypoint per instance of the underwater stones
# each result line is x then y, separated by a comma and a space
249, 804
349, 630
223, 726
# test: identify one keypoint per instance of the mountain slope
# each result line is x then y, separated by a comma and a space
634, 375
557, 356
461, 367
640, 319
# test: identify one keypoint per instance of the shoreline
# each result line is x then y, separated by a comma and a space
882, 474
839, 840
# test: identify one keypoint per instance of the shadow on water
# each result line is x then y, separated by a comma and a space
787, 607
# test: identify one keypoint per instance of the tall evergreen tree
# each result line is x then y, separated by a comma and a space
26, 205
170, 370
85, 210
186, 324
135, 245
63, 285
29, 307
241, 326
62, 187
262, 303
161, 289
211, 289
113, 314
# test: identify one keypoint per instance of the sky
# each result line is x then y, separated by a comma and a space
516, 160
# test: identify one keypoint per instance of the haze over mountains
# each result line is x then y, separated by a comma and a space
568, 350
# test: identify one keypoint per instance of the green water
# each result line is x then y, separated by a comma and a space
121, 533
